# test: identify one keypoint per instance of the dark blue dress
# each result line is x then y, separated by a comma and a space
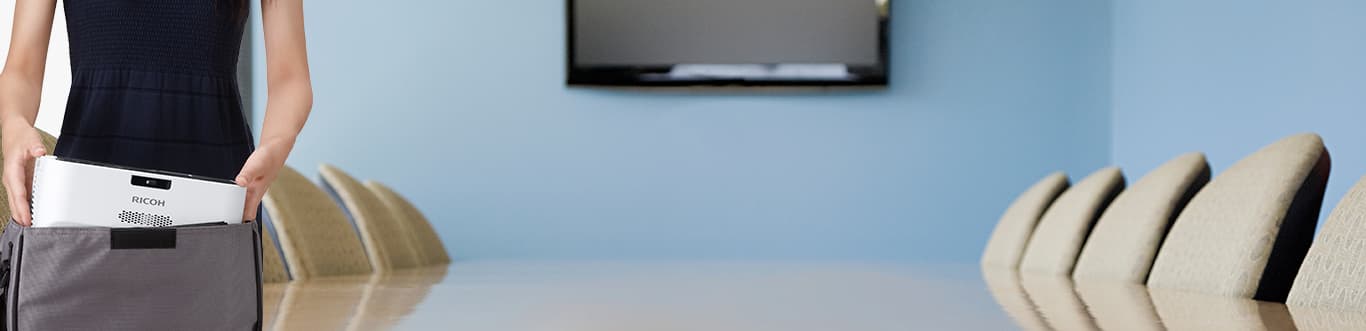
153, 85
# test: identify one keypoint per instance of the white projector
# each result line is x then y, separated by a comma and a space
76, 193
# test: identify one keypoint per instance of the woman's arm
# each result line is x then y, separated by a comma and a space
289, 97
21, 86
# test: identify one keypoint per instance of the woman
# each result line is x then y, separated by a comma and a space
153, 86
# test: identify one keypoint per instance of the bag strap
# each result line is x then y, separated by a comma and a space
4, 286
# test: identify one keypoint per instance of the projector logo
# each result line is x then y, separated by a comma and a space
149, 201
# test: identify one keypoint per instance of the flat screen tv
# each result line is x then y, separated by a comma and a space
727, 42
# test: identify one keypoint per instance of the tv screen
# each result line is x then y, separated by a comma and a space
727, 42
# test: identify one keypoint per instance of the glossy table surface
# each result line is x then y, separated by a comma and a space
506, 295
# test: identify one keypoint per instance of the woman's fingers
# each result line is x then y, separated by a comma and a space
6, 179
21, 145
249, 212
31, 162
244, 180
247, 206
18, 193
9, 196
255, 185
19, 208
257, 174
254, 193
17, 182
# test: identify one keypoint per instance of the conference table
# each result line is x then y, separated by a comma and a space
749, 295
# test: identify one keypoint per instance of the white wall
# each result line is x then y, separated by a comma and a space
461, 106
57, 81
1227, 77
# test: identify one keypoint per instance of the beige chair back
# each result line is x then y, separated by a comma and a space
1008, 240
272, 265
385, 238
1245, 233
314, 235
1124, 242
1333, 275
1063, 229
430, 250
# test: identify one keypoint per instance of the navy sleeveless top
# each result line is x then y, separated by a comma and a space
153, 85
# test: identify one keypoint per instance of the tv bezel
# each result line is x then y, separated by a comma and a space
622, 76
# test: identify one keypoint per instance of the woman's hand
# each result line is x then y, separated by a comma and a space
22, 144
289, 92
260, 171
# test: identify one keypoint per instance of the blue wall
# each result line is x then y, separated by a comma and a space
460, 105
1226, 77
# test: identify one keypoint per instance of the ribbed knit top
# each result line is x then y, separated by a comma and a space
181, 36
153, 85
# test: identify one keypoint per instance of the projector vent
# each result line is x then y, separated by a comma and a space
144, 219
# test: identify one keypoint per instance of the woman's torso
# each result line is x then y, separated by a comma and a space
154, 85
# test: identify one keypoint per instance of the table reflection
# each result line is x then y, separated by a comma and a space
572, 296
629, 295
1045, 302
1307, 319
390, 297
271, 295
1119, 306
369, 302
1005, 286
1057, 302
1191, 311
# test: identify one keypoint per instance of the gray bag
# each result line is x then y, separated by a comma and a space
204, 277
